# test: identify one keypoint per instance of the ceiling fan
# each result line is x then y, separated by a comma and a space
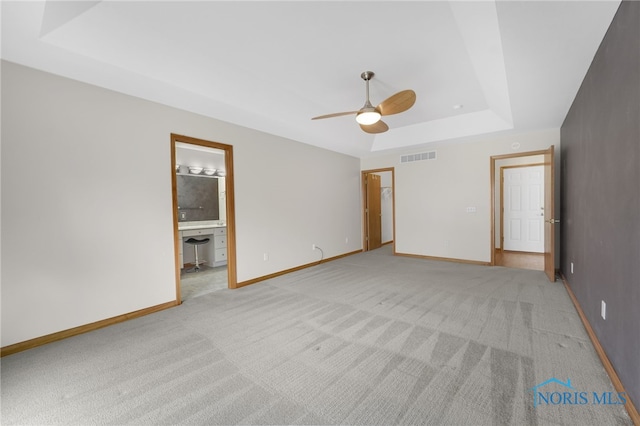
368, 117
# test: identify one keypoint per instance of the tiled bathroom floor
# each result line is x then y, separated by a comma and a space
208, 279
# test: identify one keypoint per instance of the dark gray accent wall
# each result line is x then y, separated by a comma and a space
600, 207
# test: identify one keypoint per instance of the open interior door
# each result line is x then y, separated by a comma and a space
549, 219
373, 212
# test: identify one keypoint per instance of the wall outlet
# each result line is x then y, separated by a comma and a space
183, 215
572, 267
603, 310
313, 246
266, 257
346, 240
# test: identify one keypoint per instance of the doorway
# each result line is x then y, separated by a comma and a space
522, 208
203, 215
532, 218
378, 208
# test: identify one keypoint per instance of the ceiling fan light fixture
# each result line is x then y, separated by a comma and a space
368, 117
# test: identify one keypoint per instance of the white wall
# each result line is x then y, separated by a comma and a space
87, 229
432, 195
222, 200
386, 206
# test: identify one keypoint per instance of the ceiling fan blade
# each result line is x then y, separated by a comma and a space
378, 127
337, 114
399, 102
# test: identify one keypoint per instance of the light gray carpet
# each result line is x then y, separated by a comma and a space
367, 339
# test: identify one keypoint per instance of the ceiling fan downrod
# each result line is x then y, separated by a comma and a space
366, 76
367, 114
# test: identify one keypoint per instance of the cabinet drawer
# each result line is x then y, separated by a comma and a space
220, 254
196, 232
219, 231
220, 241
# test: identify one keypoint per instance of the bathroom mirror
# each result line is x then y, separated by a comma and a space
197, 198
200, 187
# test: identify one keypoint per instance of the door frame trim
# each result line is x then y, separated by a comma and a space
363, 191
232, 280
492, 191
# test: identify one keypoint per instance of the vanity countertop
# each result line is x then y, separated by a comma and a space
187, 226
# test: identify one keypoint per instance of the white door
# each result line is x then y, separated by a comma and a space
523, 204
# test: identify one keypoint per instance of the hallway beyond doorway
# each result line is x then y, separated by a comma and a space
520, 260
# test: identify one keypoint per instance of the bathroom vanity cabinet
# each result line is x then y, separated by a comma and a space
214, 252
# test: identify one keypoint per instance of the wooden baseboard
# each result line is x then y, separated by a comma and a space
617, 383
297, 268
388, 242
49, 338
444, 259
520, 252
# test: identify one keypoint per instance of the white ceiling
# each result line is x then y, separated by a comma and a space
514, 65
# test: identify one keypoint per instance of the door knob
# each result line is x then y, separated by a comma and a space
552, 221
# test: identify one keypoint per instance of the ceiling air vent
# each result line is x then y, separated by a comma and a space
431, 155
